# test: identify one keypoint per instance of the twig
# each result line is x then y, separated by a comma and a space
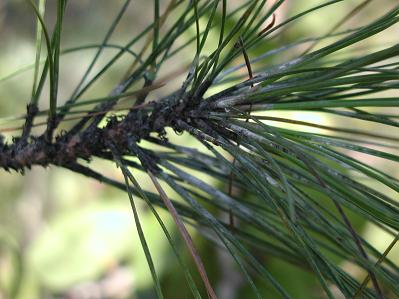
380, 260
352, 231
186, 236
240, 44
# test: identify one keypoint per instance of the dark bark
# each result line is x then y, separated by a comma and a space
125, 133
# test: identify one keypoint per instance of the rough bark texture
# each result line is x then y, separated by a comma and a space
182, 114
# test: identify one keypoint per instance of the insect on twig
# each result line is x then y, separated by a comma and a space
240, 45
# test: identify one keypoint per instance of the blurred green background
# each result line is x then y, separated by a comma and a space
65, 236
